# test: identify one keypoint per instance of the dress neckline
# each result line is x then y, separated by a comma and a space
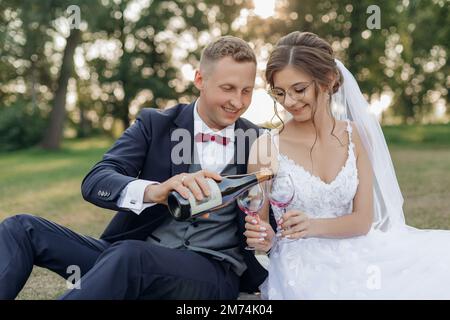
317, 178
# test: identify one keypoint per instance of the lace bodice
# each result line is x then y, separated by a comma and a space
317, 198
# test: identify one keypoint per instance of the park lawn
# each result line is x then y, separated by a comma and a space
432, 135
48, 184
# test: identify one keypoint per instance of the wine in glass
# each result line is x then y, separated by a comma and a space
250, 202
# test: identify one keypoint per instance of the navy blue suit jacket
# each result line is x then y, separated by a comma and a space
144, 152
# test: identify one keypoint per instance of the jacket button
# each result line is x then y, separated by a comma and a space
186, 243
195, 224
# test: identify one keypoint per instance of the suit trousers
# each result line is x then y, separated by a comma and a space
128, 269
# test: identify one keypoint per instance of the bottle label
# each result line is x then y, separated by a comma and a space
214, 200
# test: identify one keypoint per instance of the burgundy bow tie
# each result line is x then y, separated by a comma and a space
205, 137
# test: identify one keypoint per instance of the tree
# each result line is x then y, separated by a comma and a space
392, 58
33, 25
144, 65
54, 133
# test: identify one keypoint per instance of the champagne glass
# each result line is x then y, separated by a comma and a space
281, 193
250, 202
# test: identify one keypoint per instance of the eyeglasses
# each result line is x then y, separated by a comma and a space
297, 92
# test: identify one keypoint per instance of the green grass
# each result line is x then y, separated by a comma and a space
418, 136
48, 184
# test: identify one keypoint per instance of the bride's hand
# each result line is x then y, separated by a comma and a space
295, 225
260, 235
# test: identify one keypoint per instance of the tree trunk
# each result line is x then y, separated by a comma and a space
33, 86
124, 116
84, 128
53, 135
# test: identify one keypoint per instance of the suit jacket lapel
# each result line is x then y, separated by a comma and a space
241, 167
184, 120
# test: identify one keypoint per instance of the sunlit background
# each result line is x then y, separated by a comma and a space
126, 55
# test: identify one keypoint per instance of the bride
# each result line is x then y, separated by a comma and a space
343, 236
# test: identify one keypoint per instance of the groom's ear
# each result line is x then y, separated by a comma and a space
198, 80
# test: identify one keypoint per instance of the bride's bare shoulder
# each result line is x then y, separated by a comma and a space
341, 126
356, 139
341, 131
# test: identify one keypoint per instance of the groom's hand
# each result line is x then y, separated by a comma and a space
259, 233
183, 183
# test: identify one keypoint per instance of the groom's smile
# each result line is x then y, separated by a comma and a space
226, 90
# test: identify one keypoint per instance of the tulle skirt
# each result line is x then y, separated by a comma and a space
404, 263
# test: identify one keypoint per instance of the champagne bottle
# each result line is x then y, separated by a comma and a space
222, 193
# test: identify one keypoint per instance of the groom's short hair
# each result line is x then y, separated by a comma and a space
226, 46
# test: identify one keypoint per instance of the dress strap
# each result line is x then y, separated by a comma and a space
351, 145
349, 130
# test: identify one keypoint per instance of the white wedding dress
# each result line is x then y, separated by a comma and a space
403, 263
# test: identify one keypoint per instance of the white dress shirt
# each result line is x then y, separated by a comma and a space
212, 156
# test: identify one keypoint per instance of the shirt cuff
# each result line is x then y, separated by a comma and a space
132, 196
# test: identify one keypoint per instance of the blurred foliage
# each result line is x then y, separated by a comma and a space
407, 56
131, 53
21, 126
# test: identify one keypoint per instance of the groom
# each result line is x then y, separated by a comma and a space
144, 253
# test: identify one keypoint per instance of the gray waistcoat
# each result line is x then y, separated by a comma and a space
215, 235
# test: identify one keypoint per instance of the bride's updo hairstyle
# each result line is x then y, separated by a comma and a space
307, 52
311, 54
